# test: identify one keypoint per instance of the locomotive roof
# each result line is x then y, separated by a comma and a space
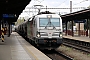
52, 15
44, 15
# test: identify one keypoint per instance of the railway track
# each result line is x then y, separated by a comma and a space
56, 55
79, 45
53, 54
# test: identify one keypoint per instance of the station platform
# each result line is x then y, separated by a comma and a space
80, 38
16, 48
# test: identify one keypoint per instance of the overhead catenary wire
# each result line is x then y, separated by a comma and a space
60, 8
32, 7
61, 3
80, 2
39, 1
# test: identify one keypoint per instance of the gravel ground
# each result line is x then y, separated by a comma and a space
76, 54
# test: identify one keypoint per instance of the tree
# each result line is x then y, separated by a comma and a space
19, 21
88, 7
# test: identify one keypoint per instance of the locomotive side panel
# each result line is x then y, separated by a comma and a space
30, 29
34, 28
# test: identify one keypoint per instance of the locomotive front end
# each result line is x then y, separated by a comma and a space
49, 32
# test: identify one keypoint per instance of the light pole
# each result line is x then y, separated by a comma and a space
70, 6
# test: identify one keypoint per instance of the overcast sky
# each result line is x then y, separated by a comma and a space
58, 4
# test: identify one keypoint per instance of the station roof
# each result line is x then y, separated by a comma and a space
12, 7
17, 6
79, 15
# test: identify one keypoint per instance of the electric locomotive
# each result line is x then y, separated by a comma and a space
44, 30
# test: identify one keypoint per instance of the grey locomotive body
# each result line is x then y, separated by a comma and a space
44, 30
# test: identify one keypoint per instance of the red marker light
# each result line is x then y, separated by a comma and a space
49, 33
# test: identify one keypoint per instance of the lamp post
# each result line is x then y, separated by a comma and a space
70, 6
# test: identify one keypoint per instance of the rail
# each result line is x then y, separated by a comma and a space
80, 45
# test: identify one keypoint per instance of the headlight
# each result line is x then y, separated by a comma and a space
60, 35
38, 34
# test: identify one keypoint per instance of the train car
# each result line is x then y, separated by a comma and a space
44, 30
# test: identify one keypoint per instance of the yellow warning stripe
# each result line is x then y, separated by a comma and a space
2, 34
2, 29
31, 53
3, 39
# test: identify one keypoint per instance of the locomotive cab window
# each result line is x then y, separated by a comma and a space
49, 22
55, 22
43, 22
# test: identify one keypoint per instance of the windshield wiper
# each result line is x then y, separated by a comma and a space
50, 25
53, 26
46, 25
